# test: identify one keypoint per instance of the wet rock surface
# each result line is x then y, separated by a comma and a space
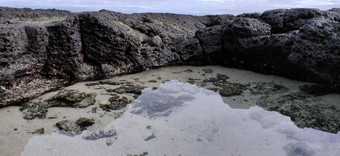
316, 90
223, 86
72, 128
115, 103
100, 134
267, 88
26, 91
85, 122
118, 100
32, 110
304, 110
69, 126
294, 149
231, 89
39, 131
72, 98
158, 104
133, 89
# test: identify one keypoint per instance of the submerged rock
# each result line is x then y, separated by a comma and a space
192, 80
267, 88
231, 89
32, 110
116, 103
298, 149
208, 71
316, 90
155, 104
220, 79
188, 70
225, 87
69, 126
304, 110
72, 98
133, 89
100, 134
85, 122
72, 128
39, 131
152, 136
152, 81
204, 121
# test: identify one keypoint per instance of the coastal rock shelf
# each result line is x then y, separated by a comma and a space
54, 48
234, 91
64, 74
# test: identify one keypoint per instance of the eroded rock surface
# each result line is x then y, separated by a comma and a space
304, 110
40, 45
116, 103
69, 126
32, 110
72, 128
85, 122
72, 98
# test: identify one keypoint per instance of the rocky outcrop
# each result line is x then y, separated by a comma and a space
297, 43
42, 50
317, 50
25, 91
72, 98
72, 128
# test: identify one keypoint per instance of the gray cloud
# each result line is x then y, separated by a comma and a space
195, 7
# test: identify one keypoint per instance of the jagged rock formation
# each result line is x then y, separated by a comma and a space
59, 47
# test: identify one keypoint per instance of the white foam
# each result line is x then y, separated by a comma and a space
187, 120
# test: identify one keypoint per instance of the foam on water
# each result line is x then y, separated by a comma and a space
182, 119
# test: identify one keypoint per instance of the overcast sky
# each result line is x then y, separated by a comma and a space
195, 7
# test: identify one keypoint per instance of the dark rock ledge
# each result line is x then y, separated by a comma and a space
43, 50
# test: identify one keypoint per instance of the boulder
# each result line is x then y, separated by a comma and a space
285, 20
317, 51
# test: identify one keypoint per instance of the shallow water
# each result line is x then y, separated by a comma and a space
182, 119
16, 131
333, 99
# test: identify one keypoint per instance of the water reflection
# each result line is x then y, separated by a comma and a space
182, 119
